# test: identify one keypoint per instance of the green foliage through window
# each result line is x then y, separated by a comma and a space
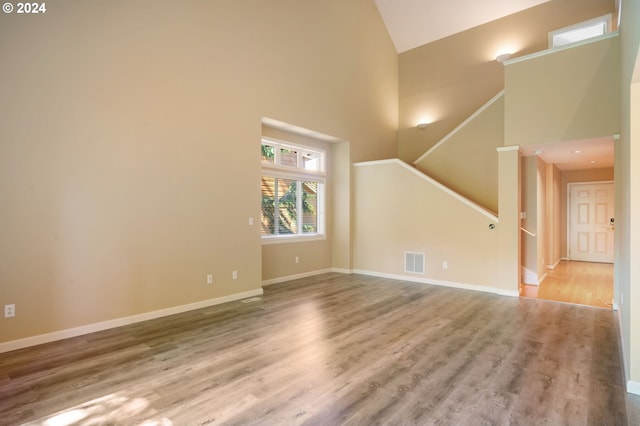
291, 196
296, 209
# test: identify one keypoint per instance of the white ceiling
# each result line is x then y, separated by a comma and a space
412, 23
576, 155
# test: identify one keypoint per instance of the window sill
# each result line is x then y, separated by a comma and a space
283, 239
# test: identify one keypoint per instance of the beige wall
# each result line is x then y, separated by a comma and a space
633, 299
129, 138
576, 176
545, 106
529, 205
627, 272
509, 208
467, 161
541, 226
553, 234
447, 80
397, 210
534, 204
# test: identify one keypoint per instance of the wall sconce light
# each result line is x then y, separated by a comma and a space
503, 57
422, 125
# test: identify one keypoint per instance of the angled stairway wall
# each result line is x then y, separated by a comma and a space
465, 160
399, 209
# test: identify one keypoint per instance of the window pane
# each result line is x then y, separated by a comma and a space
310, 207
579, 34
287, 207
288, 157
290, 207
310, 161
267, 218
268, 153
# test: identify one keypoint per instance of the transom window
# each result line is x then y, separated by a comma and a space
293, 191
277, 154
582, 31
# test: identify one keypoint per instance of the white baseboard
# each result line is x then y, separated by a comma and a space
297, 276
119, 322
463, 286
542, 278
633, 387
342, 271
531, 278
554, 265
528, 276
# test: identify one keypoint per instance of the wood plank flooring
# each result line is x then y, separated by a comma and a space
582, 283
328, 350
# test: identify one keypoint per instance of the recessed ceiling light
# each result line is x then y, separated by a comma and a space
539, 151
577, 151
592, 162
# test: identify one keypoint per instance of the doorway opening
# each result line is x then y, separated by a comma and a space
567, 226
576, 282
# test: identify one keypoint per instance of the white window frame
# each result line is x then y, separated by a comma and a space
279, 171
605, 20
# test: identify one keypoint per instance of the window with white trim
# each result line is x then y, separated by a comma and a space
293, 191
582, 31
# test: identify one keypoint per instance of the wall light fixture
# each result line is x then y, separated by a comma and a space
503, 57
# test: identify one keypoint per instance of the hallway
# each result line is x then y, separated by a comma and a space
581, 283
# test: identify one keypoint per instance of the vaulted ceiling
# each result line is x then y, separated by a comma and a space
412, 23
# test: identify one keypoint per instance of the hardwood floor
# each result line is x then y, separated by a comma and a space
582, 283
327, 350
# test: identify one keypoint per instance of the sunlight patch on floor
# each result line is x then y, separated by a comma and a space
115, 408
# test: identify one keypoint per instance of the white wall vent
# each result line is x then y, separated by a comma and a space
414, 262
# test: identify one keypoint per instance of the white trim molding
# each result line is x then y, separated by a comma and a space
508, 148
464, 200
554, 265
342, 271
296, 276
559, 49
461, 126
462, 286
543, 277
451, 284
633, 387
13, 345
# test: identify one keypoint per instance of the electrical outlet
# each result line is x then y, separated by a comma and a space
297, 259
445, 265
209, 279
250, 221
9, 311
234, 275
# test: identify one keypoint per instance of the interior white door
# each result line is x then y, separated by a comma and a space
591, 222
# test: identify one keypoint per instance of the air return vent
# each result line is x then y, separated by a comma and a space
414, 262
